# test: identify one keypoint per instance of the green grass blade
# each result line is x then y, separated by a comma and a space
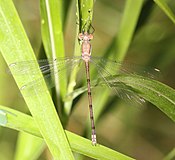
85, 14
166, 9
171, 155
52, 31
52, 37
127, 28
22, 122
29, 147
72, 80
15, 47
159, 94
3, 81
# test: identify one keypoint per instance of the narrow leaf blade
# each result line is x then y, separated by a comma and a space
15, 47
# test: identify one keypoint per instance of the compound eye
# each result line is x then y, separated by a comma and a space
90, 36
80, 36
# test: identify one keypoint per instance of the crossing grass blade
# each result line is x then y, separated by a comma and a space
155, 92
159, 94
17, 120
29, 147
15, 47
166, 9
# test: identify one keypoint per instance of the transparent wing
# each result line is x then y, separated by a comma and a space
104, 74
63, 66
108, 68
45, 65
105, 68
114, 67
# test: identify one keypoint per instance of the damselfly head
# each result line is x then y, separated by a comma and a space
85, 36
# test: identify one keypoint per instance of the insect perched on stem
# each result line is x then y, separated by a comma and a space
85, 39
106, 69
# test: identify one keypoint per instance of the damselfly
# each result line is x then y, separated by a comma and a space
105, 68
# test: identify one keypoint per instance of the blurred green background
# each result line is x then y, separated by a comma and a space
139, 132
